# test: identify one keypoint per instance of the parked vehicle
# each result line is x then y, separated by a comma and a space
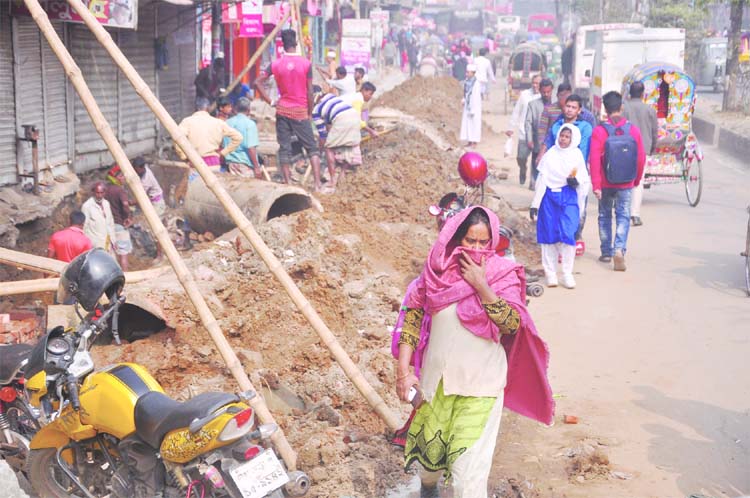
678, 156
712, 60
114, 432
466, 22
618, 51
544, 24
18, 420
508, 24
583, 54
526, 61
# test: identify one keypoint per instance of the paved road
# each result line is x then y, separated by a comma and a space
656, 357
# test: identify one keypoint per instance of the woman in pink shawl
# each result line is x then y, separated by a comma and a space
466, 317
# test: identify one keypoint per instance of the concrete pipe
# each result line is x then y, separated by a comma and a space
258, 199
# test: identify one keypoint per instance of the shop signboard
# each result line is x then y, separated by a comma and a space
251, 25
356, 28
112, 13
355, 52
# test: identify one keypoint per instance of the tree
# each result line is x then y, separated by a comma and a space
731, 100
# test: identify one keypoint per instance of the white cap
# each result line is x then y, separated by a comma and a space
471, 67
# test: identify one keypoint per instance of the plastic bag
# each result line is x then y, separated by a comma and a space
508, 147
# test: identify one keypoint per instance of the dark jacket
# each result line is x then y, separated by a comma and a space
644, 117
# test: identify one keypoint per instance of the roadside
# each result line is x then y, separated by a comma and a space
730, 131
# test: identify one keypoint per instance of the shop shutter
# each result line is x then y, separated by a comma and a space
29, 86
56, 109
169, 76
188, 57
137, 122
7, 101
101, 74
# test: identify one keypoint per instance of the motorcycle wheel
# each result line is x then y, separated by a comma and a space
47, 478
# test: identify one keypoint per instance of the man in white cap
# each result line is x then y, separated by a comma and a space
471, 119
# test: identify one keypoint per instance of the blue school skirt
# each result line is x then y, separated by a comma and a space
558, 217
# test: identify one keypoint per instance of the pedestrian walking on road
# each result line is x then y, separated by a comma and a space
517, 125
99, 226
467, 326
485, 74
553, 111
643, 116
471, 118
66, 244
293, 74
531, 128
571, 115
617, 160
559, 203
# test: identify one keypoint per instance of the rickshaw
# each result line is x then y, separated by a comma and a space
526, 61
677, 156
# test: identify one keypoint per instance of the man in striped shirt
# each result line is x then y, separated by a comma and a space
338, 126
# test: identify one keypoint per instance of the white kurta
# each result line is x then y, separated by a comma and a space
99, 226
471, 120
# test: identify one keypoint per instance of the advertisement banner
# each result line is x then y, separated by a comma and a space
252, 19
112, 13
356, 27
355, 52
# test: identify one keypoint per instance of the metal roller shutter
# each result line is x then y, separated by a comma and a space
137, 122
29, 86
101, 74
7, 101
188, 57
55, 103
169, 77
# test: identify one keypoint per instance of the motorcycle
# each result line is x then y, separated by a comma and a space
114, 432
18, 420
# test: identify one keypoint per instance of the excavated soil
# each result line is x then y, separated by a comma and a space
353, 262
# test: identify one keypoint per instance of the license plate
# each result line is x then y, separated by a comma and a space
260, 476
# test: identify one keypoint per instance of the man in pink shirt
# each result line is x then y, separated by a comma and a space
66, 244
612, 195
293, 75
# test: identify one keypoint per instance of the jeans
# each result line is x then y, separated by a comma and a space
619, 200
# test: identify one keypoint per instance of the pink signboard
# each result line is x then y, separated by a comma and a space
251, 25
355, 52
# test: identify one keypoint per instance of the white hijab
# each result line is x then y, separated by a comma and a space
559, 163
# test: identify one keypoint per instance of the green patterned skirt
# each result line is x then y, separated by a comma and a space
444, 429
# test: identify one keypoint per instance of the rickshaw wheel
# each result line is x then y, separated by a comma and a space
693, 177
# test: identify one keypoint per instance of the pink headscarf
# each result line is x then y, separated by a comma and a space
441, 284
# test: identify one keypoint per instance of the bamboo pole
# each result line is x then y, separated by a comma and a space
30, 261
250, 63
183, 273
50, 284
239, 218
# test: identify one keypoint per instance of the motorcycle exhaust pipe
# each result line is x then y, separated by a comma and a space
298, 485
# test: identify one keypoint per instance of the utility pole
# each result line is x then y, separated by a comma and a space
733, 54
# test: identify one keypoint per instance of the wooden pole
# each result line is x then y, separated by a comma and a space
239, 218
271, 36
160, 232
30, 261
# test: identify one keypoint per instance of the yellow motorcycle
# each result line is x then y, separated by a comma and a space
114, 432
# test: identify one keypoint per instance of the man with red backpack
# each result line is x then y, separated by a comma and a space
616, 159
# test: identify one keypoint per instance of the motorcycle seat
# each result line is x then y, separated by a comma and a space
12, 357
156, 413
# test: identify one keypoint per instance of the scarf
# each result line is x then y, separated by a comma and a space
527, 391
468, 89
559, 163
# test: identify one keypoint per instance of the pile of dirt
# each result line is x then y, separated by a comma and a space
588, 461
435, 100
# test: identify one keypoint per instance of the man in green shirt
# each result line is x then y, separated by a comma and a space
245, 157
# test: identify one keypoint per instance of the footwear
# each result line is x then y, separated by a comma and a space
605, 259
551, 280
619, 260
636, 221
580, 248
568, 281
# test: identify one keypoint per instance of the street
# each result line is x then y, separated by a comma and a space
655, 359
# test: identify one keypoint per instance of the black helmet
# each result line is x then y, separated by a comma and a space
88, 277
